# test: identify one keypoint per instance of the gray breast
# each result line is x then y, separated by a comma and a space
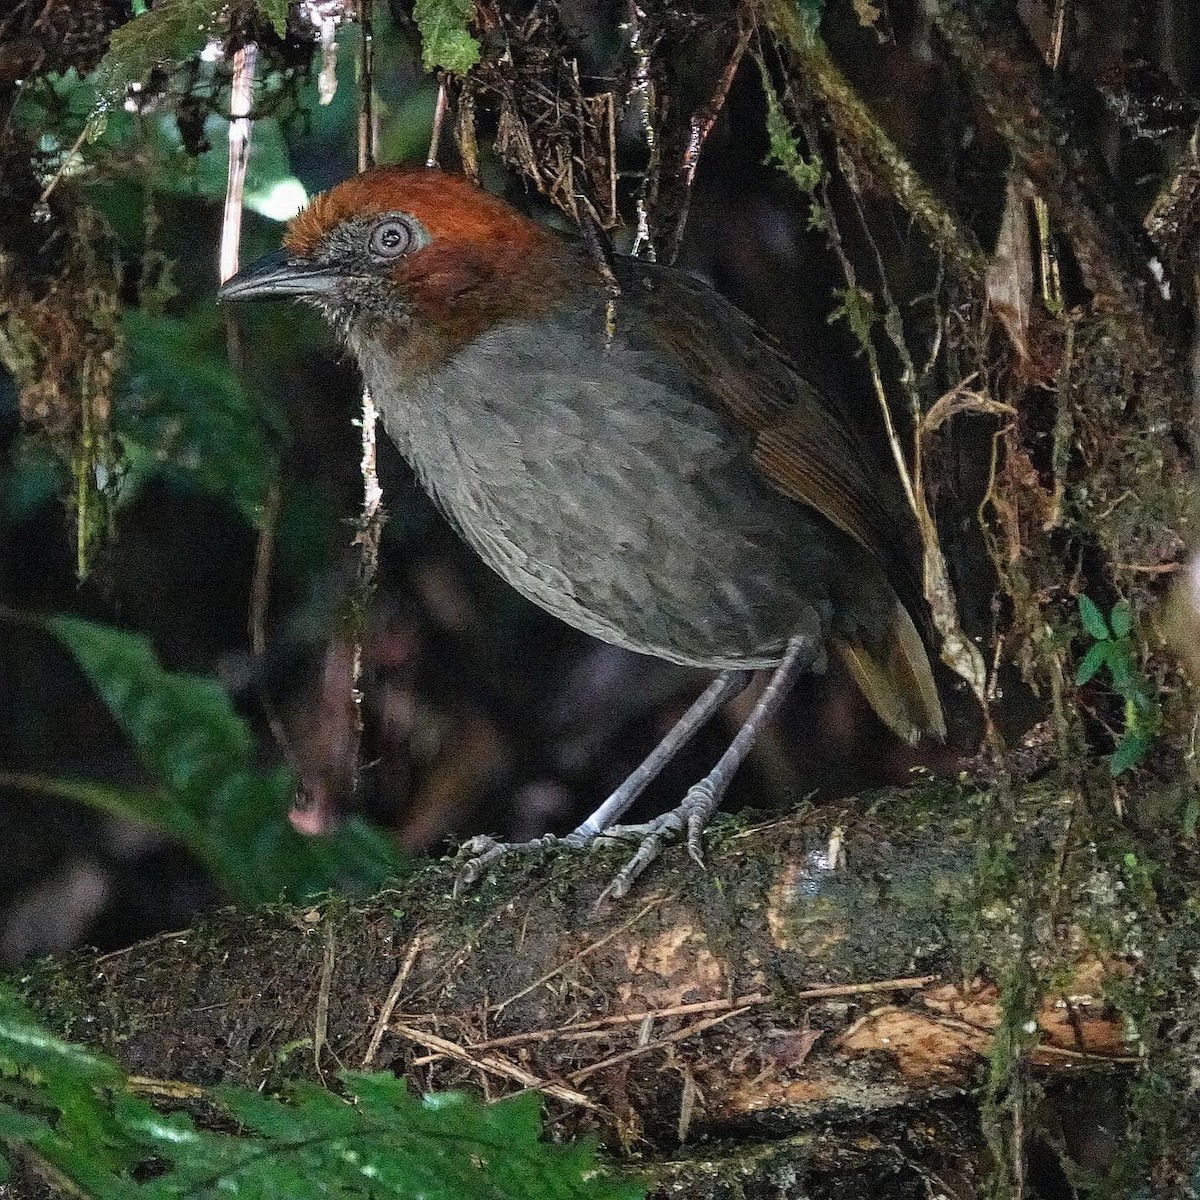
607, 492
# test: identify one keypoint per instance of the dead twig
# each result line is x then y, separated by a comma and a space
491, 1064
321, 1025
435, 132
393, 998
164, 1089
604, 1026
680, 1035
371, 517
701, 125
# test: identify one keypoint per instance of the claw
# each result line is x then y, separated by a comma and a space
486, 850
689, 820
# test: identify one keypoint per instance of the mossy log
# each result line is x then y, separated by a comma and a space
821, 1000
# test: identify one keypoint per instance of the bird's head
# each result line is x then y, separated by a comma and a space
418, 258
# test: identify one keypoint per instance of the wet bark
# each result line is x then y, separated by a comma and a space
821, 1000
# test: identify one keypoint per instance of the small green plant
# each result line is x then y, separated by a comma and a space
212, 792
1113, 649
80, 1122
446, 41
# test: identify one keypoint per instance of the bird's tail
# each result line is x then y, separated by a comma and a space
897, 680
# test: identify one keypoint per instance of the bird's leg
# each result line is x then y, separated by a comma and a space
704, 798
726, 685
485, 850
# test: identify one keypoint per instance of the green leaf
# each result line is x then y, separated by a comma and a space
183, 725
446, 41
171, 32
1121, 668
1132, 749
25, 1045
76, 1111
1095, 658
1093, 619
1121, 618
858, 307
232, 815
276, 12
184, 411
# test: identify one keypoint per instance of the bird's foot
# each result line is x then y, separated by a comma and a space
689, 818
484, 851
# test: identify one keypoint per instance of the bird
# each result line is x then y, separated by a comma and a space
627, 449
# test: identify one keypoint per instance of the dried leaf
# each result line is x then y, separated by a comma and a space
1009, 278
867, 13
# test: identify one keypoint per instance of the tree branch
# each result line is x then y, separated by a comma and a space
783, 990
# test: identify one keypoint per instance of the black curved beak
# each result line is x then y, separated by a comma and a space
278, 276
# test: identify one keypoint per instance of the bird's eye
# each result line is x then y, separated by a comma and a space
391, 238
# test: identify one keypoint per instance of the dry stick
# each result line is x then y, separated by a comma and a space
393, 998
370, 521
603, 1026
701, 125
1052, 294
1064, 430
958, 651
240, 96
260, 586
494, 1066
167, 1089
240, 131
641, 93
679, 1035
368, 145
439, 117
321, 1025
65, 162
260, 600
464, 131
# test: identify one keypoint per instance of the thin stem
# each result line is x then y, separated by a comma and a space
371, 515
439, 117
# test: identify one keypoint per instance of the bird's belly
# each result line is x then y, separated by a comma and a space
614, 499
671, 574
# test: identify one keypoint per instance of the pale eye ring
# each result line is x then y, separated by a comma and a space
391, 237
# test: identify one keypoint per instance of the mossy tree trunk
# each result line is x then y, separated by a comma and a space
823, 1004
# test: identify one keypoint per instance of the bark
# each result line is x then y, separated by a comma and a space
821, 1000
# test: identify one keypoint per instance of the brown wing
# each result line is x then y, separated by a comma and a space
801, 445
804, 450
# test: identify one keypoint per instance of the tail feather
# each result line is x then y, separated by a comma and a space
898, 683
